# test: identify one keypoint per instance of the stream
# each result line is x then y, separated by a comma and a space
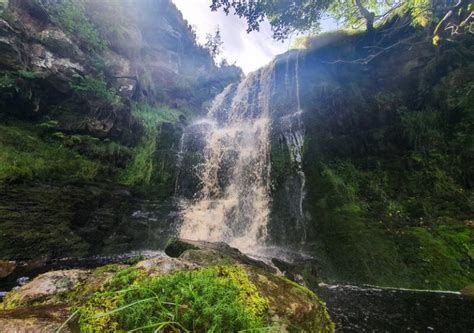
372, 309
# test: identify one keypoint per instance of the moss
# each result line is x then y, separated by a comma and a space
389, 179
437, 258
71, 17
24, 155
297, 308
142, 167
220, 298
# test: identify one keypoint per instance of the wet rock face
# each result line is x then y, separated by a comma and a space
82, 220
61, 45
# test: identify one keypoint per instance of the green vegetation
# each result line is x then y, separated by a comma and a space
305, 15
389, 179
6, 82
70, 16
214, 299
141, 168
24, 155
43, 152
95, 88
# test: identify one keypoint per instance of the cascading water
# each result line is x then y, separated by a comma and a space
293, 131
233, 202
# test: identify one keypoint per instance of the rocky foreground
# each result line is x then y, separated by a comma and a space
198, 287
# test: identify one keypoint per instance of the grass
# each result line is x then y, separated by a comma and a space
25, 155
95, 88
71, 16
214, 299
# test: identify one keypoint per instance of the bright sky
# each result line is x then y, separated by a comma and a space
249, 51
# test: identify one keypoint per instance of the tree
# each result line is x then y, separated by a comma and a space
214, 43
288, 16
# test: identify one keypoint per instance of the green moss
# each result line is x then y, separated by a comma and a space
389, 180
110, 268
71, 16
24, 155
220, 299
90, 87
141, 168
438, 258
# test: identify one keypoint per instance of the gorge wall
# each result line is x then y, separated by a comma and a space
93, 99
363, 162
387, 158
370, 160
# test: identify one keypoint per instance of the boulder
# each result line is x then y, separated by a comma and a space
165, 265
45, 303
211, 253
6, 268
44, 286
38, 319
468, 291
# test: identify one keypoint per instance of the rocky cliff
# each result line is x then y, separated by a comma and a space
93, 96
387, 157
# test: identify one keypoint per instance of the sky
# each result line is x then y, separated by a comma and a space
248, 51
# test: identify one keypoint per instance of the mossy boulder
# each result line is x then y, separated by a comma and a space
204, 289
45, 287
468, 291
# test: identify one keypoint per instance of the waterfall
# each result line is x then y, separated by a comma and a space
293, 133
179, 161
232, 204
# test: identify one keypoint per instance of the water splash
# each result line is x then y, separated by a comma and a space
233, 203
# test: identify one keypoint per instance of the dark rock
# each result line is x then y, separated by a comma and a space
468, 291
6, 268
178, 248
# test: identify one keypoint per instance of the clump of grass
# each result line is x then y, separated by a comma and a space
214, 299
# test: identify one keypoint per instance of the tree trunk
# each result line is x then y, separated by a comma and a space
367, 15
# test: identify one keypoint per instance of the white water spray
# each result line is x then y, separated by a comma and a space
233, 203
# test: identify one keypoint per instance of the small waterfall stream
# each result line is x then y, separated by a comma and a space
293, 133
233, 203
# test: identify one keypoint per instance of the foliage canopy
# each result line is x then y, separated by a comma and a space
289, 16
